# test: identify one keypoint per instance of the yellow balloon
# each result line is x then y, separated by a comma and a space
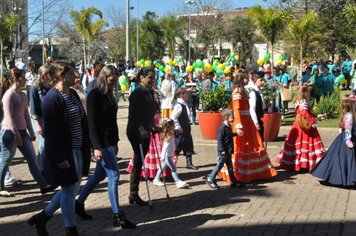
215, 63
279, 62
221, 66
175, 62
148, 63
139, 63
237, 57
167, 69
170, 62
343, 81
189, 69
208, 68
157, 65
260, 61
123, 88
227, 70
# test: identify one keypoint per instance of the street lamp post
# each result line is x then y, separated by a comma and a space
138, 12
127, 29
17, 47
189, 25
239, 45
43, 38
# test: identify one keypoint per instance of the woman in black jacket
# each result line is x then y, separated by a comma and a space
66, 147
142, 110
104, 135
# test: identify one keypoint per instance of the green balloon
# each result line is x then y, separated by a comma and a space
282, 57
200, 64
195, 65
267, 57
143, 61
227, 63
155, 62
215, 68
232, 54
161, 68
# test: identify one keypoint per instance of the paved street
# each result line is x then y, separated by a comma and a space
290, 204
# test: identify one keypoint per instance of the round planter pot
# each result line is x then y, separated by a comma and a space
271, 123
209, 123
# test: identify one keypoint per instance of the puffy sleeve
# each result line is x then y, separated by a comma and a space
304, 110
236, 103
348, 127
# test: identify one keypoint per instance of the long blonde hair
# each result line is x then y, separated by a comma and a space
347, 105
301, 94
167, 125
42, 71
238, 82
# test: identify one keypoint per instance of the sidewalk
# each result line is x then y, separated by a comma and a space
290, 204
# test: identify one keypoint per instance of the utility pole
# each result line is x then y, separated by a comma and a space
127, 30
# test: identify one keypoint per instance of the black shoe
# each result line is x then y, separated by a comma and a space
212, 184
119, 220
80, 211
40, 220
48, 189
72, 231
135, 198
237, 185
190, 163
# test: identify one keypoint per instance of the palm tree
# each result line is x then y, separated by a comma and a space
299, 30
172, 30
8, 25
270, 21
88, 29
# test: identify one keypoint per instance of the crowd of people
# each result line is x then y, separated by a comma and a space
72, 113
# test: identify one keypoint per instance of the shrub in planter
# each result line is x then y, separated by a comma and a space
210, 119
328, 105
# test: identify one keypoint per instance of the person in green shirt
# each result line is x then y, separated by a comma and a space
328, 81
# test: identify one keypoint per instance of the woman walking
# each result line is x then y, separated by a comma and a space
66, 138
104, 133
38, 91
14, 134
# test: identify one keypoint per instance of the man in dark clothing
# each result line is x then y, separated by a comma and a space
142, 109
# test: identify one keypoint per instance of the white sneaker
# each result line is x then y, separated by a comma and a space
12, 182
158, 183
181, 184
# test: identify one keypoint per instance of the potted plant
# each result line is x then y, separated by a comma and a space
210, 119
271, 120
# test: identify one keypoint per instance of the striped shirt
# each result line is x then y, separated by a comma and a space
75, 113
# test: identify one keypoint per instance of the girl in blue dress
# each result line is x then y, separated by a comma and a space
338, 166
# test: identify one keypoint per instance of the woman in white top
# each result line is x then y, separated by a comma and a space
167, 90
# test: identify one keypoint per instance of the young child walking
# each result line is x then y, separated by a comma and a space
168, 151
225, 150
338, 166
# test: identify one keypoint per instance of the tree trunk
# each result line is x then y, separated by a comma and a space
272, 56
2, 61
84, 54
301, 60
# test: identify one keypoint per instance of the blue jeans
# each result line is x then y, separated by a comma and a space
168, 162
65, 198
107, 166
29, 154
221, 161
8, 149
40, 140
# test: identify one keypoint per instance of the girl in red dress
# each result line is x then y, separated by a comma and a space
302, 148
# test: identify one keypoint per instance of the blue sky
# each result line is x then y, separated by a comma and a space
161, 7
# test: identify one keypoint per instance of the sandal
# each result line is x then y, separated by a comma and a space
5, 193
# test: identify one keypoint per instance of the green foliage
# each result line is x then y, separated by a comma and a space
173, 28
216, 100
267, 93
270, 21
329, 105
151, 43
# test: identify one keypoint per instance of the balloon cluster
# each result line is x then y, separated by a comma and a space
267, 58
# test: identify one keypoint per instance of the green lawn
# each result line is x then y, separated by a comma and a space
333, 123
